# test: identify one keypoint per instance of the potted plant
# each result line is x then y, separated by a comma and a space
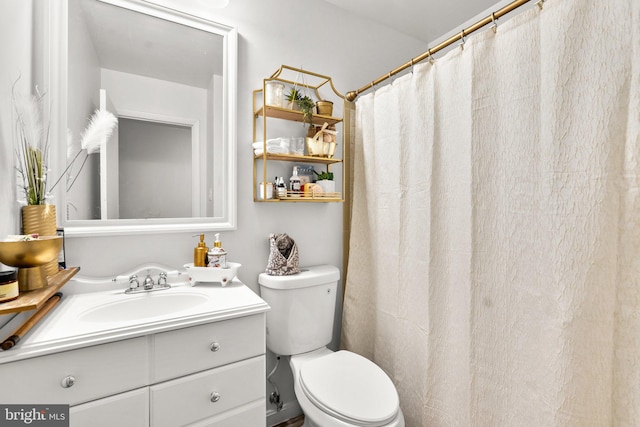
325, 180
297, 101
306, 105
292, 98
32, 162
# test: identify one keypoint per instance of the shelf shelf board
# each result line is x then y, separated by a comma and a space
300, 159
301, 196
295, 116
32, 300
301, 200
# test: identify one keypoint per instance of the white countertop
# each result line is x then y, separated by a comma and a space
68, 325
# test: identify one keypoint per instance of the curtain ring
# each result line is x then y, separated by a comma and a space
430, 58
411, 65
540, 4
494, 27
462, 42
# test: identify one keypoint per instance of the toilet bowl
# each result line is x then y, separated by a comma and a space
343, 389
334, 389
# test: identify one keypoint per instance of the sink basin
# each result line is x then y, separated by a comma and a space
143, 306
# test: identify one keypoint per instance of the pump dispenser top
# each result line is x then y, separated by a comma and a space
217, 255
200, 253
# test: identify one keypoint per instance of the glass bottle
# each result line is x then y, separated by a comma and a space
294, 181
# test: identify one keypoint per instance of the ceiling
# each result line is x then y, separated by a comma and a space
426, 20
140, 44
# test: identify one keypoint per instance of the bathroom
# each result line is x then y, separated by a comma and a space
265, 41
269, 35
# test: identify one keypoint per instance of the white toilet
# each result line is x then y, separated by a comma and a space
334, 389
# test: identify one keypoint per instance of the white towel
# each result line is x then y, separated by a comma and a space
275, 142
272, 150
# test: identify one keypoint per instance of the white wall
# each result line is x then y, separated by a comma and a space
16, 27
308, 34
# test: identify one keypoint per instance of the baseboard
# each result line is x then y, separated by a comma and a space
289, 410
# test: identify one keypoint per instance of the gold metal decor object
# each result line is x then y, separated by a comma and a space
41, 220
30, 256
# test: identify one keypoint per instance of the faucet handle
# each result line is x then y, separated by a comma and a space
133, 281
162, 278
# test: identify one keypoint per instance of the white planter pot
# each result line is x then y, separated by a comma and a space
328, 186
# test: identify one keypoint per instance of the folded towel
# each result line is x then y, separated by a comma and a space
275, 142
272, 150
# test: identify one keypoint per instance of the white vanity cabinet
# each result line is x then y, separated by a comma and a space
209, 374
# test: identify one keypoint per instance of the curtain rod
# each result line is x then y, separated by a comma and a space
351, 96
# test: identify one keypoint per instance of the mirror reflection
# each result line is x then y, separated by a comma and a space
165, 75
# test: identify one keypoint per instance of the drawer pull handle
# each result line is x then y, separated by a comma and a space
215, 396
214, 346
68, 381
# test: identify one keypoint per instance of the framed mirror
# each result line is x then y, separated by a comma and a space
170, 79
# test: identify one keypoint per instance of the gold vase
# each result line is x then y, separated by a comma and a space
41, 219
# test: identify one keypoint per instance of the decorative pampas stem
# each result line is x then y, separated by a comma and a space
100, 128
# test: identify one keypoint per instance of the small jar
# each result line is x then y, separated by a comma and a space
269, 190
8, 286
274, 94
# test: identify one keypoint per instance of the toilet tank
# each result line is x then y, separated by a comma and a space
302, 309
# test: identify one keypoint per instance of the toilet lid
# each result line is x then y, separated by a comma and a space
351, 388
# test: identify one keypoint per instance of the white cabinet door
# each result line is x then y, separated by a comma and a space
129, 409
206, 394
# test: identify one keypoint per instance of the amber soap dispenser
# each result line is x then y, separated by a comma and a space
200, 253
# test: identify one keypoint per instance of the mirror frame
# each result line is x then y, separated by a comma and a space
55, 76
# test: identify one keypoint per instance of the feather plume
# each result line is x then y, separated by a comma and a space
28, 116
99, 129
31, 146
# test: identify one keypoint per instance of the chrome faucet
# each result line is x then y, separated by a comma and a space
148, 284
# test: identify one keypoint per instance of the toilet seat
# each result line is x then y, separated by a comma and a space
350, 388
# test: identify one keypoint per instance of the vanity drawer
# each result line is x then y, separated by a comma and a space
185, 351
251, 414
207, 394
129, 409
97, 371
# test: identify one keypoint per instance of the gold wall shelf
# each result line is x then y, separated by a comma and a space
314, 83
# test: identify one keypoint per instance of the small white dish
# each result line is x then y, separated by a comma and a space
212, 274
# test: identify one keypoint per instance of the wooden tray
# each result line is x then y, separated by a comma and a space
32, 300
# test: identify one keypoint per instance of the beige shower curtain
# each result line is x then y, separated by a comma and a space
494, 268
